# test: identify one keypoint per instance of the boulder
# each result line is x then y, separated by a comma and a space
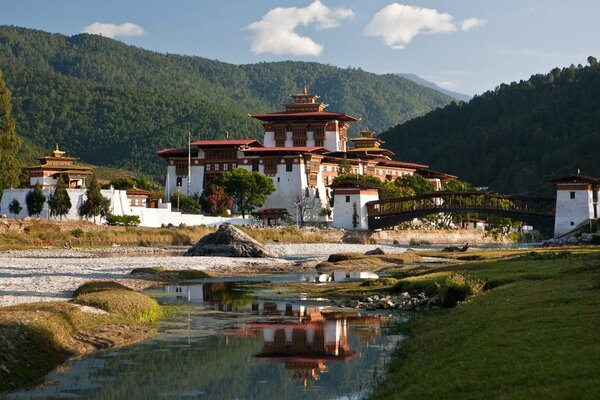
228, 241
375, 252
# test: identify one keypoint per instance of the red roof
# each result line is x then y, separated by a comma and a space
227, 142
393, 163
137, 192
304, 149
181, 151
307, 114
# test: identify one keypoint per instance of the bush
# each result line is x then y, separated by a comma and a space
457, 287
123, 220
77, 232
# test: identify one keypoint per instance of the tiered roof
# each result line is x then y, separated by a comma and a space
305, 106
59, 163
368, 144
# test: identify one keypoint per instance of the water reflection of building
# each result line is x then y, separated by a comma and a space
304, 339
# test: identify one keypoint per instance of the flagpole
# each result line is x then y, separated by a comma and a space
189, 161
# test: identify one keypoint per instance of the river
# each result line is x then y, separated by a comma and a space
235, 341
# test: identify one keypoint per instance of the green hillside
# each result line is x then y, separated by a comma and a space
115, 105
515, 137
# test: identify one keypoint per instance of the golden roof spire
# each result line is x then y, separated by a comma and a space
305, 90
57, 152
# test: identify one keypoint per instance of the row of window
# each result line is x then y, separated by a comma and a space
299, 142
298, 131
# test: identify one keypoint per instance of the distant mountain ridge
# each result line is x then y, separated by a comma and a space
513, 138
115, 105
417, 79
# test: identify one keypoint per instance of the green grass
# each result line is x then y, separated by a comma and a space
532, 335
171, 275
36, 337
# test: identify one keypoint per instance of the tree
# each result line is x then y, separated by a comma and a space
15, 207
10, 167
59, 202
35, 200
354, 216
248, 189
344, 167
186, 204
416, 182
456, 185
390, 190
302, 202
217, 199
95, 203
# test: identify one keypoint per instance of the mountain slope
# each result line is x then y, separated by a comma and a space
115, 105
431, 85
515, 137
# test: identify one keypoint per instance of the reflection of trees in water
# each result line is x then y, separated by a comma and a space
227, 293
217, 366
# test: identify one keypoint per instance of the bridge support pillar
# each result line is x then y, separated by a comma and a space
349, 204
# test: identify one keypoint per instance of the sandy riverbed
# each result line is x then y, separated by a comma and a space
53, 274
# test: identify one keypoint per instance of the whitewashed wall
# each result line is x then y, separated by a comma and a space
572, 212
343, 211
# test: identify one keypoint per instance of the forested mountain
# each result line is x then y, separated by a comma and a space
515, 137
114, 104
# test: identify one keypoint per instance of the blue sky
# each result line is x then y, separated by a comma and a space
469, 46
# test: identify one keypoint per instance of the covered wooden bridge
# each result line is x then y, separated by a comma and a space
535, 211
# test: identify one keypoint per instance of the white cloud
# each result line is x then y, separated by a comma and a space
397, 24
276, 32
471, 23
113, 30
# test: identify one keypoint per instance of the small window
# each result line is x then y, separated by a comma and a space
278, 178
347, 199
255, 165
572, 195
572, 223
289, 164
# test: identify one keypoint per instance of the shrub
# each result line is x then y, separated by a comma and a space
123, 220
457, 287
77, 232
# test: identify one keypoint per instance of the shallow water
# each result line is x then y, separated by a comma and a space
236, 342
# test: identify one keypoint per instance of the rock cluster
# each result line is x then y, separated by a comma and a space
228, 241
403, 301
584, 239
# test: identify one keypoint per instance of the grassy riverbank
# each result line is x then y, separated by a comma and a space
533, 333
43, 233
37, 337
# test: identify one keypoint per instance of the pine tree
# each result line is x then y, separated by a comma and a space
10, 167
35, 200
95, 204
354, 216
59, 202
15, 207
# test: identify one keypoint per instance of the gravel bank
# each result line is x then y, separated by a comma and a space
53, 274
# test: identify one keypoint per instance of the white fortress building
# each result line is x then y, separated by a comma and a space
576, 202
302, 149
